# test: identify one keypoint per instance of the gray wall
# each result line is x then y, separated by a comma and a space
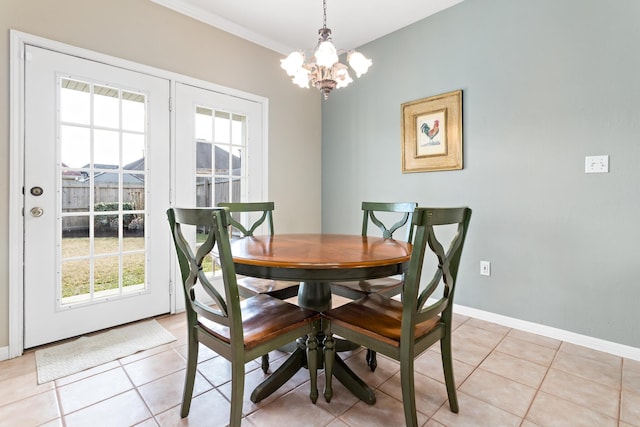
144, 32
545, 82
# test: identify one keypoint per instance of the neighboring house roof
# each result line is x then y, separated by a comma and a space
203, 159
203, 162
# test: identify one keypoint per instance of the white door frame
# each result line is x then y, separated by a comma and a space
18, 40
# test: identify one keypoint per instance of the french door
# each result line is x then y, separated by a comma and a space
97, 156
220, 153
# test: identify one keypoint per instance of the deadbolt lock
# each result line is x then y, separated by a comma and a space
37, 211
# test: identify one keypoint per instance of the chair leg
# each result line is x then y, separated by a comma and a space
408, 391
447, 367
265, 363
371, 360
312, 362
190, 374
329, 357
237, 392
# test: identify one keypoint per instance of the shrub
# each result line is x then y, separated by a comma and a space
103, 222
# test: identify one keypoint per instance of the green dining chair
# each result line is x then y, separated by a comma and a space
243, 225
402, 330
250, 286
239, 331
400, 214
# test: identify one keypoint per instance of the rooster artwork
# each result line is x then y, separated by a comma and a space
431, 132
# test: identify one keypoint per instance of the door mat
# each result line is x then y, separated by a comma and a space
87, 352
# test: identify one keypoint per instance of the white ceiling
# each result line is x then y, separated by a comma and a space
286, 25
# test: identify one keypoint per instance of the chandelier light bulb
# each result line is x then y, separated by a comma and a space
326, 55
342, 76
359, 63
301, 78
292, 63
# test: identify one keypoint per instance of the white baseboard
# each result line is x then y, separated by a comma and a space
547, 331
522, 325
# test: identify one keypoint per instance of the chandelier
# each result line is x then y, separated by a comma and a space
324, 70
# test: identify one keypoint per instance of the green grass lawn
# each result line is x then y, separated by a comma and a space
75, 273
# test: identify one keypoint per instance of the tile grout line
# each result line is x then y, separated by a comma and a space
622, 364
135, 387
538, 389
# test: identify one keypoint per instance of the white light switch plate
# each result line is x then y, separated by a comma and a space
596, 164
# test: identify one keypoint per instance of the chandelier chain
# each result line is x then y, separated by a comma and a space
324, 19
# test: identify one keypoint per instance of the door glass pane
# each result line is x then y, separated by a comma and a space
133, 270
76, 191
133, 241
102, 176
203, 158
76, 280
133, 198
237, 129
236, 161
236, 190
222, 128
106, 107
75, 237
106, 191
75, 102
106, 234
221, 159
204, 124
203, 192
75, 146
133, 151
133, 111
106, 274
106, 148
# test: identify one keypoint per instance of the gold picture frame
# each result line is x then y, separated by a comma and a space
432, 133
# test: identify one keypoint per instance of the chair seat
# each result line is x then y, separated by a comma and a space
387, 313
263, 318
251, 286
388, 286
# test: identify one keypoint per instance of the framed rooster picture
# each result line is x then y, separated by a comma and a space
432, 133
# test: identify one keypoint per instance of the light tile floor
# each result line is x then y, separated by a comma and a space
504, 377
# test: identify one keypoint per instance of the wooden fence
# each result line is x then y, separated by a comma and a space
76, 199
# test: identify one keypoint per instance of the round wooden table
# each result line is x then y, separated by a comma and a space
315, 260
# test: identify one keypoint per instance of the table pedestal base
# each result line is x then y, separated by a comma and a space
315, 296
298, 360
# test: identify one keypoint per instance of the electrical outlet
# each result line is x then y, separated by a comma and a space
485, 268
596, 164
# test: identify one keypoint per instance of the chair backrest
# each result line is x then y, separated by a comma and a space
405, 208
426, 221
246, 207
226, 308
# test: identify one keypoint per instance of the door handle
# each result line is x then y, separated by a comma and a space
37, 211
